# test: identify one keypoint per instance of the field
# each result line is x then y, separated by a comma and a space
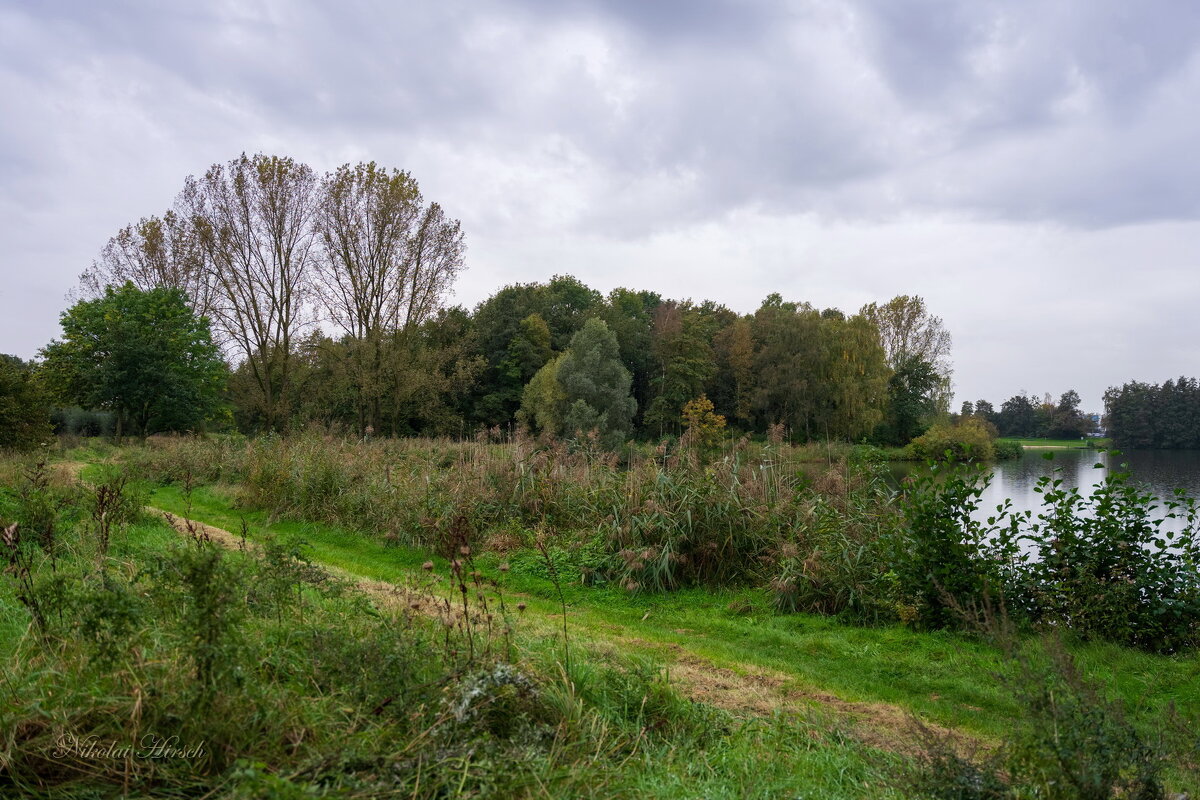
1070, 444
487, 619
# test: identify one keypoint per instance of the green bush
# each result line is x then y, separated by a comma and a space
967, 440
1108, 566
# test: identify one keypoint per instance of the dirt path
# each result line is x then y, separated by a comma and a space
747, 690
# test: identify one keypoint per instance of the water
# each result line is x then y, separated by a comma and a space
1160, 472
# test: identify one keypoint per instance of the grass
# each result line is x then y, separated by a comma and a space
794, 704
944, 677
306, 708
1069, 444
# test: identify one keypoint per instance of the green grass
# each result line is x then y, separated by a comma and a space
945, 677
621, 734
1072, 444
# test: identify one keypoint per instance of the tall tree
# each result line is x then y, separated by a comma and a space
854, 378
912, 402
596, 386
683, 363
907, 330
152, 253
1018, 417
254, 218
734, 350
387, 263
143, 355
564, 304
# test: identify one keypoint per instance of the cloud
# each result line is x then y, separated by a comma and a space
836, 151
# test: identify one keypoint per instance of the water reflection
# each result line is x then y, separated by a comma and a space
1160, 472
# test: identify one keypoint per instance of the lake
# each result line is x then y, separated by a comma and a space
1159, 471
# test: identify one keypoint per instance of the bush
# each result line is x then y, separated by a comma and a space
1108, 567
967, 440
24, 411
80, 422
951, 565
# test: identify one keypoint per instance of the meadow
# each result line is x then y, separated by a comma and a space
345, 618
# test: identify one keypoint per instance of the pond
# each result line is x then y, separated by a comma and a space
1160, 472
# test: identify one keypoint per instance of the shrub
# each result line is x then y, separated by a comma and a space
950, 564
967, 440
1108, 566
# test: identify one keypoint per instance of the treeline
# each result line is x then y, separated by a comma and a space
1148, 415
325, 294
1023, 417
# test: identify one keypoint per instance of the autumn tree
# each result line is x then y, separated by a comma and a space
733, 347
386, 264
683, 363
152, 253
255, 221
907, 330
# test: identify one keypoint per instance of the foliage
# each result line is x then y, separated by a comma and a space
543, 403
1166, 416
907, 332
969, 439
75, 421
912, 402
1112, 565
596, 386
951, 565
701, 424
144, 355
24, 408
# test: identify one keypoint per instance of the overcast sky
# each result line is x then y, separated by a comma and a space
1032, 169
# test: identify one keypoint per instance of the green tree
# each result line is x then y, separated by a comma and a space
912, 402
24, 409
683, 362
143, 355
596, 386
543, 403
563, 304
1018, 417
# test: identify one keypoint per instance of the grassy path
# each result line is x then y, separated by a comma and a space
729, 649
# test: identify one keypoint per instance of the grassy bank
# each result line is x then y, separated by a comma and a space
335, 654
1060, 444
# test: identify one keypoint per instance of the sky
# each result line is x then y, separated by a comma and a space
1029, 167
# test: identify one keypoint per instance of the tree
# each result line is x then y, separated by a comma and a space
1142, 415
543, 403
734, 349
683, 362
1066, 420
153, 253
912, 404
24, 408
387, 263
596, 386
1018, 417
907, 330
563, 304
705, 427
254, 220
143, 355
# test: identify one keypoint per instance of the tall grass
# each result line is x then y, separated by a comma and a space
182, 669
662, 519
